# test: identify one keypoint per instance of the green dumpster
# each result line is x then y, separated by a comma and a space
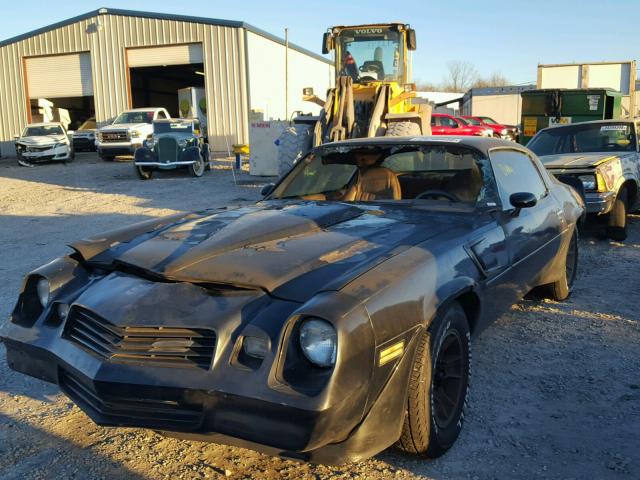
549, 107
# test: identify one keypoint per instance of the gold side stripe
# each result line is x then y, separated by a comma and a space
391, 353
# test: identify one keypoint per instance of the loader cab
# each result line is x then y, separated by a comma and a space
371, 53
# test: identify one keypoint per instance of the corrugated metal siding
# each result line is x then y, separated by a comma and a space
224, 64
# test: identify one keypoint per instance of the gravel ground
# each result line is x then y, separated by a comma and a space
555, 391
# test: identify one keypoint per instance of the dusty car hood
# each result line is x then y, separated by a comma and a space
124, 126
289, 250
42, 139
577, 160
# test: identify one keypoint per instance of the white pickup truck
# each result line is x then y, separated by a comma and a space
127, 132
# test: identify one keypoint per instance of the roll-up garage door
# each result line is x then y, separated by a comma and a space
167, 55
59, 76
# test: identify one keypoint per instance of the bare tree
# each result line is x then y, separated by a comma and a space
496, 79
461, 75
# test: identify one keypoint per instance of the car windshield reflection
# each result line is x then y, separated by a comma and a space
364, 174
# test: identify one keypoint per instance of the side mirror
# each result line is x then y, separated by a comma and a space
307, 91
522, 200
411, 39
327, 42
267, 189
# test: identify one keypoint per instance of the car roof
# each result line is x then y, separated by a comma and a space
606, 120
170, 120
44, 124
144, 109
482, 144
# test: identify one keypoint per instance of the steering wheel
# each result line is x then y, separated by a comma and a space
438, 193
371, 67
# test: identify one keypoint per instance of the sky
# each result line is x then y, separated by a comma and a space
510, 37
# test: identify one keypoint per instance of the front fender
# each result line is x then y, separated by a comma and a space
144, 154
190, 154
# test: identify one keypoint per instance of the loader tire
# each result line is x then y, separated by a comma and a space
403, 129
293, 144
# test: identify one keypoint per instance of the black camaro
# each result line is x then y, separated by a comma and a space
324, 323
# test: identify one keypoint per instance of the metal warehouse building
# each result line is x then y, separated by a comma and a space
103, 62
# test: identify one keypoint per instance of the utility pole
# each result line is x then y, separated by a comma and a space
286, 73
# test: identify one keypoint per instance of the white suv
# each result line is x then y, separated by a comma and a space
127, 132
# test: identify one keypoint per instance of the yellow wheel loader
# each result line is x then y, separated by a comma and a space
372, 96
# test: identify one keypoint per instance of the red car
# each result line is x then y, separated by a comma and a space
507, 132
443, 124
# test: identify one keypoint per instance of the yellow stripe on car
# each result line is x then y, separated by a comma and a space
391, 353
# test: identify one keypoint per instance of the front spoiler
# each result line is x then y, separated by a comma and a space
271, 427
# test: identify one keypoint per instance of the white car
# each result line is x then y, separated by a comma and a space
43, 142
127, 132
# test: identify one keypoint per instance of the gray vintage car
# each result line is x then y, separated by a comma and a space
175, 143
602, 159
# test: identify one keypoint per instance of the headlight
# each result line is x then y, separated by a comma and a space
43, 291
318, 340
62, 144
135, 134
588, 181
99, 136
149, 143
504, 131
183, 142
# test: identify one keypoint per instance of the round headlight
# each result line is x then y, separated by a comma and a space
183, 142
43, 291
318, 340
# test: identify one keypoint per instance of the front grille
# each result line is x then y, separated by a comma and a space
167, 149
120, 136
161, 346
129, 410
39, 149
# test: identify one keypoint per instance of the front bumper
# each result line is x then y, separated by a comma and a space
118, 148
227, 402
56, 153
599, 203
84, 143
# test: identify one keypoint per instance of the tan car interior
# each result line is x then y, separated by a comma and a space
452, 173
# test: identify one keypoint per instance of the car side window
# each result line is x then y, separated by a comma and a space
161, 114
448, 122
515, 172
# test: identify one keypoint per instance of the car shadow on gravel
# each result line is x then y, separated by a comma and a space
28, 452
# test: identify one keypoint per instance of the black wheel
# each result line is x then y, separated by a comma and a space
439, 386
205, 154
106, 158
197, 168
403, 129
144, 173
617, 218
561, 289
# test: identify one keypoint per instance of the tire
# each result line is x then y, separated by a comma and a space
72, 155
617, 218
197, 169
206, 156
293, 144
403, 129
106, 158
431, 427
144, 173
561, 289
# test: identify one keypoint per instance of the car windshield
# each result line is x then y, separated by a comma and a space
473, 121
43, 130
434, 172
134, 117
585, 137
488, 120
173, 127
88, 125
371, 54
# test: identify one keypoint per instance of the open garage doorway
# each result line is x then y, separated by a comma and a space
157, 73
60, 89
158, 86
